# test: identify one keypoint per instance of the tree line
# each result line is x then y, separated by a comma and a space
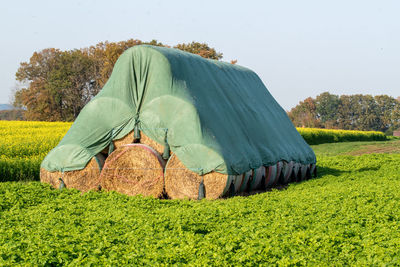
58, 84
348, 112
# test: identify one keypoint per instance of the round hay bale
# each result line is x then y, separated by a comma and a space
313, 170
181, 182
244, 185
309, 175
83, 180
303, 171
144, 139
296, 169
105, 151
257, 178
287, 169
279, 166
270, 175
237, 181
134, 169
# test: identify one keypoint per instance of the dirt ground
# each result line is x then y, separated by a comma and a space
392, 147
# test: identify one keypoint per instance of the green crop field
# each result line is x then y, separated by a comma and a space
349, 215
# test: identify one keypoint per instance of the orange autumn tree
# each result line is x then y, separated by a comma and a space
58, 84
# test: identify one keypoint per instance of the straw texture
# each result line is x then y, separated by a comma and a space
83, 180
144, 139
134, 169
181, 182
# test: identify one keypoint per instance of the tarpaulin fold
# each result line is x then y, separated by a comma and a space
219, 116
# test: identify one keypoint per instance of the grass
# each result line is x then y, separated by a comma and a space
347, 216
357, 148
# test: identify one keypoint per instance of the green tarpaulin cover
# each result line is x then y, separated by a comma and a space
217, 116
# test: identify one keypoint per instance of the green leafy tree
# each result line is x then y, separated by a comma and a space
349, 112
386, 107
369, 117
347, 119
396, 116
39, 99
70, 83
326, 107
59, 84
304, 114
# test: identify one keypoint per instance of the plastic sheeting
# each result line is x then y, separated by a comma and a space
216, 116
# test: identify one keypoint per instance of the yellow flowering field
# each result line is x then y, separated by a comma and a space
24, 144
314, 136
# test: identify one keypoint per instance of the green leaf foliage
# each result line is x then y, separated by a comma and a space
349, 112
349, 215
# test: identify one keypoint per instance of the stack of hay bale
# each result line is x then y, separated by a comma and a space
169, 123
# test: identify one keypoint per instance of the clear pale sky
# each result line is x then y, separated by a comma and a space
298, 48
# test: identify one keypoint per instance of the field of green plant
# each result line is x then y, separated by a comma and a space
349, 215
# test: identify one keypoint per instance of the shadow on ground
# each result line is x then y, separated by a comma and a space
329, 171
